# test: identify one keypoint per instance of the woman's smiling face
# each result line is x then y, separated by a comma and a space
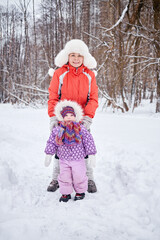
75, 59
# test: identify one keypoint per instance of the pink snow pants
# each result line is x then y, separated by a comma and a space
72, 176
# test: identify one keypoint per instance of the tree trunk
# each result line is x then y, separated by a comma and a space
35, 46
156, 8
121, 61
86, 20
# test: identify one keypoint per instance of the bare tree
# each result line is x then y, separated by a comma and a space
156, 8
86, 20
35, 55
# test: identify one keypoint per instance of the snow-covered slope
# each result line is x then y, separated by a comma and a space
127, 204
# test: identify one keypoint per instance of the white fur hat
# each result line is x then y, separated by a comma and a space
75, 46
77, 109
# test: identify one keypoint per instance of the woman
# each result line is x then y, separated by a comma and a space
74, 81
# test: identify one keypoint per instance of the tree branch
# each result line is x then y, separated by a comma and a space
111, 101
119, 20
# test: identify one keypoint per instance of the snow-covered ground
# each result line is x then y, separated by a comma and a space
127, 204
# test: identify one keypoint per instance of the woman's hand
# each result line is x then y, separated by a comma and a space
53, 122
87, 121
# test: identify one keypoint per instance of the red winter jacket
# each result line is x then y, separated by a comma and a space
75, 87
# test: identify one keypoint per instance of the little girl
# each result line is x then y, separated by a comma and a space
71, 142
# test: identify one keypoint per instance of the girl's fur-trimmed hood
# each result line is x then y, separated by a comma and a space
77, 109
75, 46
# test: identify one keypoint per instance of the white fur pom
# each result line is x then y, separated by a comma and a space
51, 72
95, 72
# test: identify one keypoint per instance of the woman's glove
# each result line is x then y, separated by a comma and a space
91, 160
87, 122
53, 122
47, 161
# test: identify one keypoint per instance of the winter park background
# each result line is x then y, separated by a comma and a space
124, 38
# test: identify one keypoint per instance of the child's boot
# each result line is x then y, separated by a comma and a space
79, 196
65, 198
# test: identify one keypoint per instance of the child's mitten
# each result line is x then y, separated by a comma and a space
47, 161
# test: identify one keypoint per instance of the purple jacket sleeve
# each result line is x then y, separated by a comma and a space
51, 147
88, 142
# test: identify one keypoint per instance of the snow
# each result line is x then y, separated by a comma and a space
127, 173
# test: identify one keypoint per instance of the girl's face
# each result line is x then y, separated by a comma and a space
75, 59
69, 117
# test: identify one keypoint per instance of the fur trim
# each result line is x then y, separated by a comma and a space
77, 109
75, 46
51, 72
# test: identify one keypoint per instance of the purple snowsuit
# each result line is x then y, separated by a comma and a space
72, 162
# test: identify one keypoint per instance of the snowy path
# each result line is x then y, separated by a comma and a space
127, 204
